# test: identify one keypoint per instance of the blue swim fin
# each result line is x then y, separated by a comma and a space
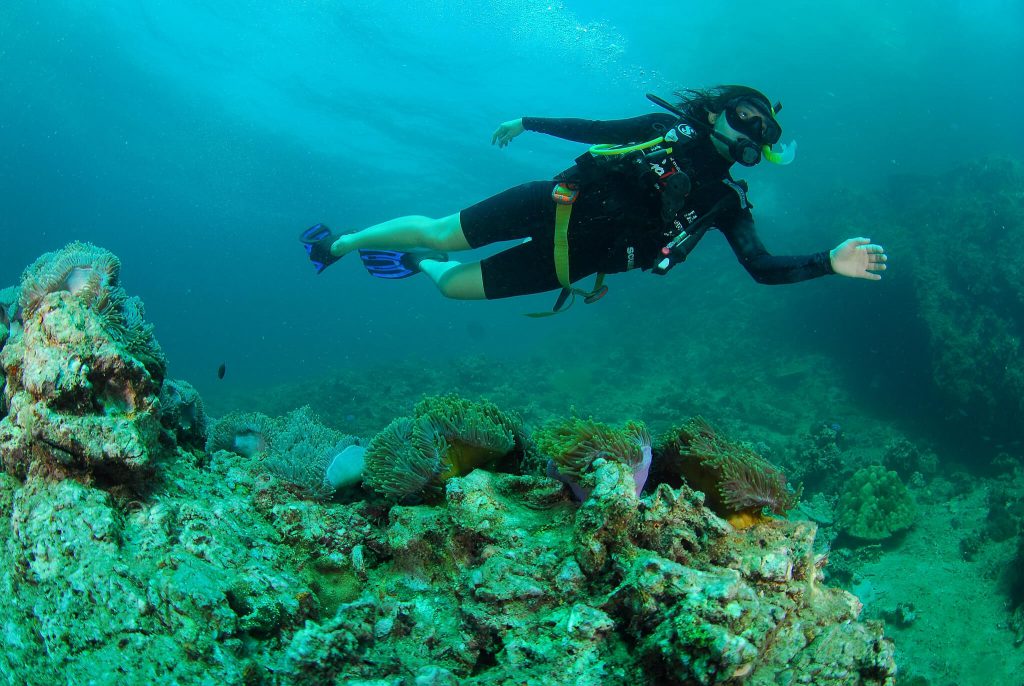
394, 264
317, 240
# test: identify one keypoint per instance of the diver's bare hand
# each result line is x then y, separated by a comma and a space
858, 258
506, 132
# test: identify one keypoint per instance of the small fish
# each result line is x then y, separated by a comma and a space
220, 370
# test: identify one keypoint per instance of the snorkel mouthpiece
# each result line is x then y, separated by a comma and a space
784, 156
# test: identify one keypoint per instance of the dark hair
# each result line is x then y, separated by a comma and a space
697, 102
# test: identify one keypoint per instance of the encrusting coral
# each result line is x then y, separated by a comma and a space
739, 484
573, 444
448, 436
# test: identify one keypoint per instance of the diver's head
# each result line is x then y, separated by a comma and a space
740, 120
744, 127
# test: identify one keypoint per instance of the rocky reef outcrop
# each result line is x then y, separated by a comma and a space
966, 228
82, 373
135, 549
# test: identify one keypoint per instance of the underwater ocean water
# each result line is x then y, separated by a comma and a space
195, 140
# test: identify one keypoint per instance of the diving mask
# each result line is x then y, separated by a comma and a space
754, 119
747, 129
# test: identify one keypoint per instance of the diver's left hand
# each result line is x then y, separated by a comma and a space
858, 258
506, 132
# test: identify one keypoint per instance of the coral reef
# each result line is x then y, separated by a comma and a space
739, 484
79, 401
907, 459
182, 414
232, 567
224, 573
971, 300
875, 504
573, 444
411, 459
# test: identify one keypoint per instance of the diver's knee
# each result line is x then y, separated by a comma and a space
463, 282
446, 233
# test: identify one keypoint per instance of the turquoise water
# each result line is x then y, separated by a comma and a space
196, 139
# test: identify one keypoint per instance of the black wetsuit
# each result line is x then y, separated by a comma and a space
617, 220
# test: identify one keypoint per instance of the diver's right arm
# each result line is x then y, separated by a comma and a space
617, 131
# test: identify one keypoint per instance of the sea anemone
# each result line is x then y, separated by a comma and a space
449, 436
86, 271
739, 484
303, 450
91, 274
243, 433
573, 444
477, 433
405, 461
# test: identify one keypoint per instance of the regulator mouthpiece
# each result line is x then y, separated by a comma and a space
784, 156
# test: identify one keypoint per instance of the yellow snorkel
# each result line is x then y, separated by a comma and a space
785, 155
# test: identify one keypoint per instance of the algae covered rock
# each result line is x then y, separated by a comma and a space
875, 504
176, 589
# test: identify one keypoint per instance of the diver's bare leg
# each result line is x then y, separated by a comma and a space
456, 280
406, 233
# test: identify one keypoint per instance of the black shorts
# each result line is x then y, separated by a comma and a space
528, 211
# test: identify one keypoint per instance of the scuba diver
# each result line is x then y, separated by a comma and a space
641, 197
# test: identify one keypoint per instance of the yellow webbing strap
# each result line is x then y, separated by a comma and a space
564, 197
562, 214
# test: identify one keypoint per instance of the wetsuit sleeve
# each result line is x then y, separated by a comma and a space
617, 131
772, 269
